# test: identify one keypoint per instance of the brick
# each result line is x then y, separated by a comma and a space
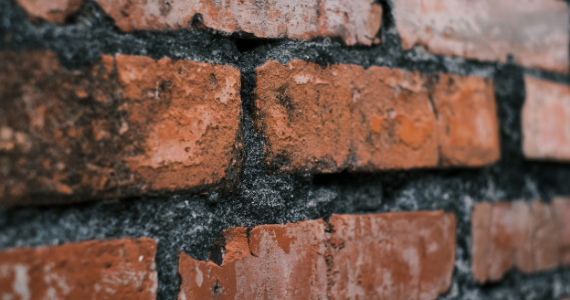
392, 256
130, 125
278, 262
534, 32
546, 120
467, 121
545, 245
561, 209
529, 236
55, 11
118, 269
354, 21
356, 257
317, 119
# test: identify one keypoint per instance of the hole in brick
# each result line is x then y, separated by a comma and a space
218, 251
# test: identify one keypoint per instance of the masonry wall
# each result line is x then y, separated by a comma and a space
323, 149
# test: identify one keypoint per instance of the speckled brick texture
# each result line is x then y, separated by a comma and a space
317, 119
395, 256
129, 125
119, 269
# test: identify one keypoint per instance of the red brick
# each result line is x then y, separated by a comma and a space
355, 21
363, 256
546, 120
531, 237
467, 121
534, 32
119, 269
392, 256
317, 119
128, 126
545, 245
278, 262
55, 11
561, 209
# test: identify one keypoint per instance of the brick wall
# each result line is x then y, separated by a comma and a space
326, 149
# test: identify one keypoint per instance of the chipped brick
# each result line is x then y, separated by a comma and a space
128, 126
361, 256
118, 269
55, 11
317, 119
535, 33
354, 21
546, 120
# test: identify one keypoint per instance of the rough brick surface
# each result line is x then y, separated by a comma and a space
546, 120
119, 269
399, 256
530, 236
535, 32
391, 256
318, 119
127, 126
52, 11
467, 121
355, 21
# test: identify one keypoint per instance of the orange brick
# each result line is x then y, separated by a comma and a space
545, 237
534, 32
546, 120
318, 119
480, 233
361, 257
355, 21
52, 11
392, 256
467, 121
119, 269
128, 126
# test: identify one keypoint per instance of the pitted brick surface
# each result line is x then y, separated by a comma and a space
534, 32
354, 21
127, 126
119, 269
317, 119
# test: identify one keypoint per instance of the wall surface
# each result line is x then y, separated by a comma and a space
188, 219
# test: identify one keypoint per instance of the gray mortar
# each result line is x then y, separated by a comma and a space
191, 223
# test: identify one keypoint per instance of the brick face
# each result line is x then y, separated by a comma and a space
354, 21
52, 11
318, 119
129, 125
546, 120
534, 32
119, 269
529, 236
400, 256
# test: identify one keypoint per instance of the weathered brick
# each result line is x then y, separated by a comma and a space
534, 32
118, 269
399, 256
55, 11
391, 256
127, 126
546, 120
530, 237
274, 262
467, 121
317, 119
561, 209
355, 21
